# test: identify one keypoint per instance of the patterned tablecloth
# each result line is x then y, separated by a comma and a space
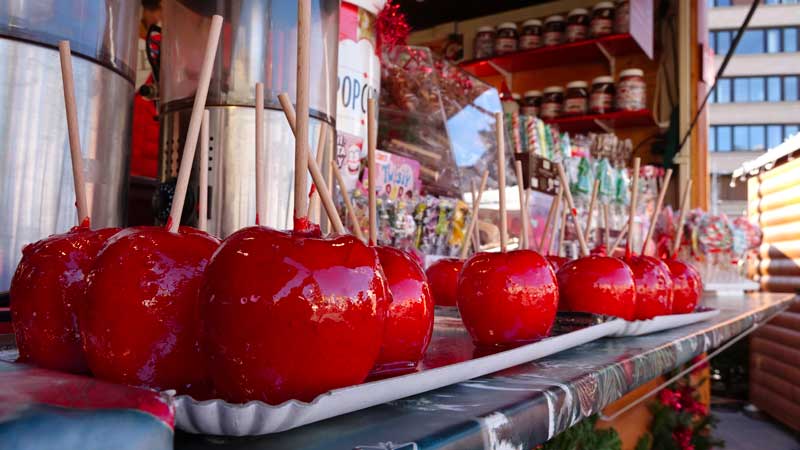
523, 406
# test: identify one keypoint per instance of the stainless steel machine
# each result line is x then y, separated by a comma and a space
258, 43
36, 190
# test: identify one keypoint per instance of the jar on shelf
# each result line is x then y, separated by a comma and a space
531, 36
602, 19
509, 104
554, 27
552, 102
631, 90
517, 98
506, 38
483, 47
532, 103
601, 99
622, 17
577, 25
576, 102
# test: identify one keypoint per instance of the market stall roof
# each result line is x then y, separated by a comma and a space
427, 13
787, 148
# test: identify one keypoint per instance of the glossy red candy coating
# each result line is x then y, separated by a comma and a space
141, 322
48, 297
653, 286
443, 279
598, 285
687, 286
507, 298
287, 316
557, 261
409, 319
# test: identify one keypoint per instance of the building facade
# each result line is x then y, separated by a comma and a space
756, 103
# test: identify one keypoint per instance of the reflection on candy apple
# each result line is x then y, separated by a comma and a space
48, 297
687, 286
507, 298
598, 285
291, 315
409, 319
653, 286
443, 279
141, 321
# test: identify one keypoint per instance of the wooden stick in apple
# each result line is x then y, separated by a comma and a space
314, 205
372, 138
551, 212
571, 206
261, 182
301, 152
652, 228
632, 211
195, 120
552, 216
476, 245
499, 129
473, 220
348, 204
606, 226
676, 245
68, 81
562, 229
202, 207
590, 211
523, 205
618, 240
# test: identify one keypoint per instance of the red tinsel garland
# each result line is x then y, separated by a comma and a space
391, 27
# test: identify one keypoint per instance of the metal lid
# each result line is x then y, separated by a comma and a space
555, 18
516, 96
603, 5
553, 90
507, 26
533, 93
578, 12
631, 73
485, 29
577, 84
531, 22
603, 79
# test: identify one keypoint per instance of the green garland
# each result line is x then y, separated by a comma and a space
584, 436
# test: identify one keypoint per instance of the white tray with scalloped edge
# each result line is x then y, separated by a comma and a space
661, 323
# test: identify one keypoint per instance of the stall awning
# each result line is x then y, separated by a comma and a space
788, 147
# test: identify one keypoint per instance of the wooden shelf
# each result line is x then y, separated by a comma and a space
591, 50
604, 122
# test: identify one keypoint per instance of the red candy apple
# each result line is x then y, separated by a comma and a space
598, 285
289, 316
653, 286
557, 261
141, 322
48, 297
507, 298
687, 286
409, 319
443, 279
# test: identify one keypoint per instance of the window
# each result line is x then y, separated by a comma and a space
756, 87
757, 137
774, 89
790, 130
712, 139
773, 40
757, 40
723, 42
741, 138
723, 90
790, 39
790, 89
725, 138
752, 42
741, 90
774, 135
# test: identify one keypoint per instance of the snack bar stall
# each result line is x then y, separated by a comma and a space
361, 238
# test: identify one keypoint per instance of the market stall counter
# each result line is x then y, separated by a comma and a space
526, 405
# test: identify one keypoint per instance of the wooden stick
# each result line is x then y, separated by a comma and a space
261, 182
551, 216
301, 115
523, 206
595, 190
684, 210
347, 203
652, 228
372, 137
571, 205
331, 151
606, 225
190, 144
563, 229
499, 130
473, 220
632, 211
68, 81
314, 205
619, 238
202, 207
316, 173
476, 245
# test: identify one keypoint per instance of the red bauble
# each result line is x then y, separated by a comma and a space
556, 262
409, 319
687, 286
48, 298
443, 279
288, 316
653, 286
598, 285
141, 323
507, 298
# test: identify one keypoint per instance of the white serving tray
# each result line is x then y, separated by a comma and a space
218, 417
661, 323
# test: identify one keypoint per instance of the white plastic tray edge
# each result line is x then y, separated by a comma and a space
218, 417
661, 323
